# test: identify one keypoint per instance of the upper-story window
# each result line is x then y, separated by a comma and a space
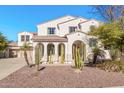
22, 38
72, 29
51, 30
27, 37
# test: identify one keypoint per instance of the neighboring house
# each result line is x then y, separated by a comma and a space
69, 32
14, 48
25, 37
11, 51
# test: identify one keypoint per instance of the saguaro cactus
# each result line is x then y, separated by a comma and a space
37, 56
77, 58
62, 54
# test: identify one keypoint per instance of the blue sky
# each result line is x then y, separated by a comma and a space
14, 19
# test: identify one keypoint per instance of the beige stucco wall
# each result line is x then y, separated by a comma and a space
85, 27
20, 43
42, 28
64, 28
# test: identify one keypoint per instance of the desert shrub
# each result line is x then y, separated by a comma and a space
114, 54
111, 66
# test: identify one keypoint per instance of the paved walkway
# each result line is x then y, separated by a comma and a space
10, 65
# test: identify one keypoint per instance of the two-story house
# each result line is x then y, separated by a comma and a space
25, 37
60, 38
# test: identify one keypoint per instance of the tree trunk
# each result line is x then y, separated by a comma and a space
94, 59
26, 58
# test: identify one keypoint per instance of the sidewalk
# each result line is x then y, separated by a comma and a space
10, 65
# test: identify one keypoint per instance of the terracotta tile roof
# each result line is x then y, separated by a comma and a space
13, 44
52, 38
34, 33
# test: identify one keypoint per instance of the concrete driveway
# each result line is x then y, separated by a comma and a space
10, 65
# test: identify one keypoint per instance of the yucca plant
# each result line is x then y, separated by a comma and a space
62, 54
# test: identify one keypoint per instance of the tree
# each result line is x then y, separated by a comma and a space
3, 42
109, 13
112, 32
111, 36
25, 48
120, 42
97, 52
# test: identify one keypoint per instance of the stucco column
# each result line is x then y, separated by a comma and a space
69, 55
44, 59
56, 53
66, 52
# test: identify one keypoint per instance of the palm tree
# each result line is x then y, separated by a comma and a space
97, 52
25, 48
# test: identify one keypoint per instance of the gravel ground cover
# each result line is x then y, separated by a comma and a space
62, 77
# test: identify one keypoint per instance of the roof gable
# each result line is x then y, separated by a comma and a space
59, 20
81, 20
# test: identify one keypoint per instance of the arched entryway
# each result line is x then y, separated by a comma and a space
39, 51
82, 49
50, 53
61, 53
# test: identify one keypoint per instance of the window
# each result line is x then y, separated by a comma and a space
92, 42
27, 37
51, 30
72, 29
22, 38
